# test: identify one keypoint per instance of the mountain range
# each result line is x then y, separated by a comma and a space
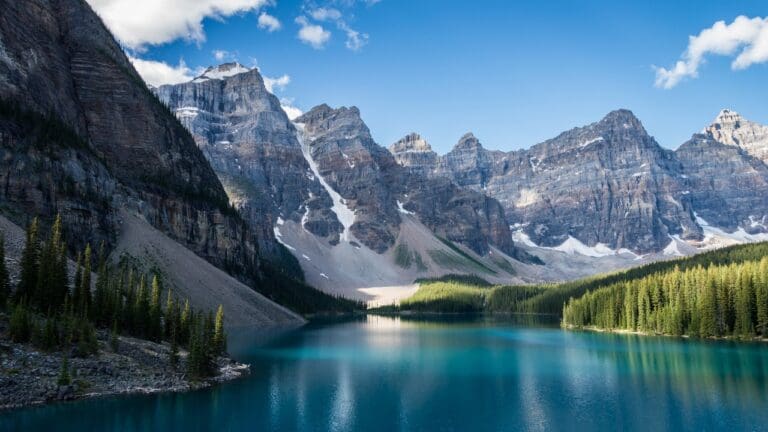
350, 210
214, 171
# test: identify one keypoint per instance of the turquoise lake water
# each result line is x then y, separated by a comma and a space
470, 374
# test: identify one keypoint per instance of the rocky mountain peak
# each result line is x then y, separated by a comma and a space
621, 119
468, 142
412, 142
222, 71
730, 128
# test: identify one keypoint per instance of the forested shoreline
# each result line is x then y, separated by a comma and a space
56, 313
712, 301
720, 293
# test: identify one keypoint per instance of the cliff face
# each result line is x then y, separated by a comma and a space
82, 135
324, 173
377, 189
607, 183
727, 187
730, 128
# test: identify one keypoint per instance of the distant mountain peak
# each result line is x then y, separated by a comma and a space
731, 128
468, 142
412, 142
224, 70
622, 119
727, 116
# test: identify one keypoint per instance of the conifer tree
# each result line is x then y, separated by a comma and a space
5, 283
85, 283
29, 265
155, 311
219, 337
76, 298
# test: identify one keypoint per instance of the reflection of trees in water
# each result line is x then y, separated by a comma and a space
695, 370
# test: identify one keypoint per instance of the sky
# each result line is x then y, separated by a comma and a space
514, 73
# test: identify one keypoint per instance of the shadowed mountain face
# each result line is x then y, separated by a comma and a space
82, 135
608, 183
327, 174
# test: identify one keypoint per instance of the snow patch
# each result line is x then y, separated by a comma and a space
592, 141
187, 112
572, 246
219, 73
738, 236
350, 162
402, 209
672, 248
305, 257
345, 216
279, 238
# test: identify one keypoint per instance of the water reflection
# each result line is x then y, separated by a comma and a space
406, 373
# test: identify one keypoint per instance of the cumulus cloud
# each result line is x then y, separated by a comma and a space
312, 34
746, 38
269, 23
325, 14
291, 111
221, 55
158, 73
278, 83
137, 23
355, 39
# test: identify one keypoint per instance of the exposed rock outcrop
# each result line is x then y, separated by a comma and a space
730, 128
607, 183
82, 135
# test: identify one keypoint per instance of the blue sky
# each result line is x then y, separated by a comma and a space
514, 73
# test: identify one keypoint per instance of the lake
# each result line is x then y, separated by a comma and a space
471, 373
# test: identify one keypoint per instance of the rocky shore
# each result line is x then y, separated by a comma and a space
29, 376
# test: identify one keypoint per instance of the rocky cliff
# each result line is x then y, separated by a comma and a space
731, 128
82, 135
325, 172
607, 183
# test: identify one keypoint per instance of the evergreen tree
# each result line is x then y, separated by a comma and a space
85, 283
155, 311
219, 337
30, 261
5, 283
20, 325
76, 294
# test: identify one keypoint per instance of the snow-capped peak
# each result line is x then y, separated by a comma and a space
222, 71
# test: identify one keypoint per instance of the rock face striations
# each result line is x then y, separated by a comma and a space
732, 129
611, 184
81, 134
324, 172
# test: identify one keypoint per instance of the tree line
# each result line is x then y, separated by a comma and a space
52, 314
707, 301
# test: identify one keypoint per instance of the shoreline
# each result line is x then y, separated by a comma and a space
28, 377
595, 329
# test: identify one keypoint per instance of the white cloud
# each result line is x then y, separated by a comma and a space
137, 23
221, 55
276, 83
325, 14
312, 34
355, 39
158, 73
746, 38
268, 22
291, 111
